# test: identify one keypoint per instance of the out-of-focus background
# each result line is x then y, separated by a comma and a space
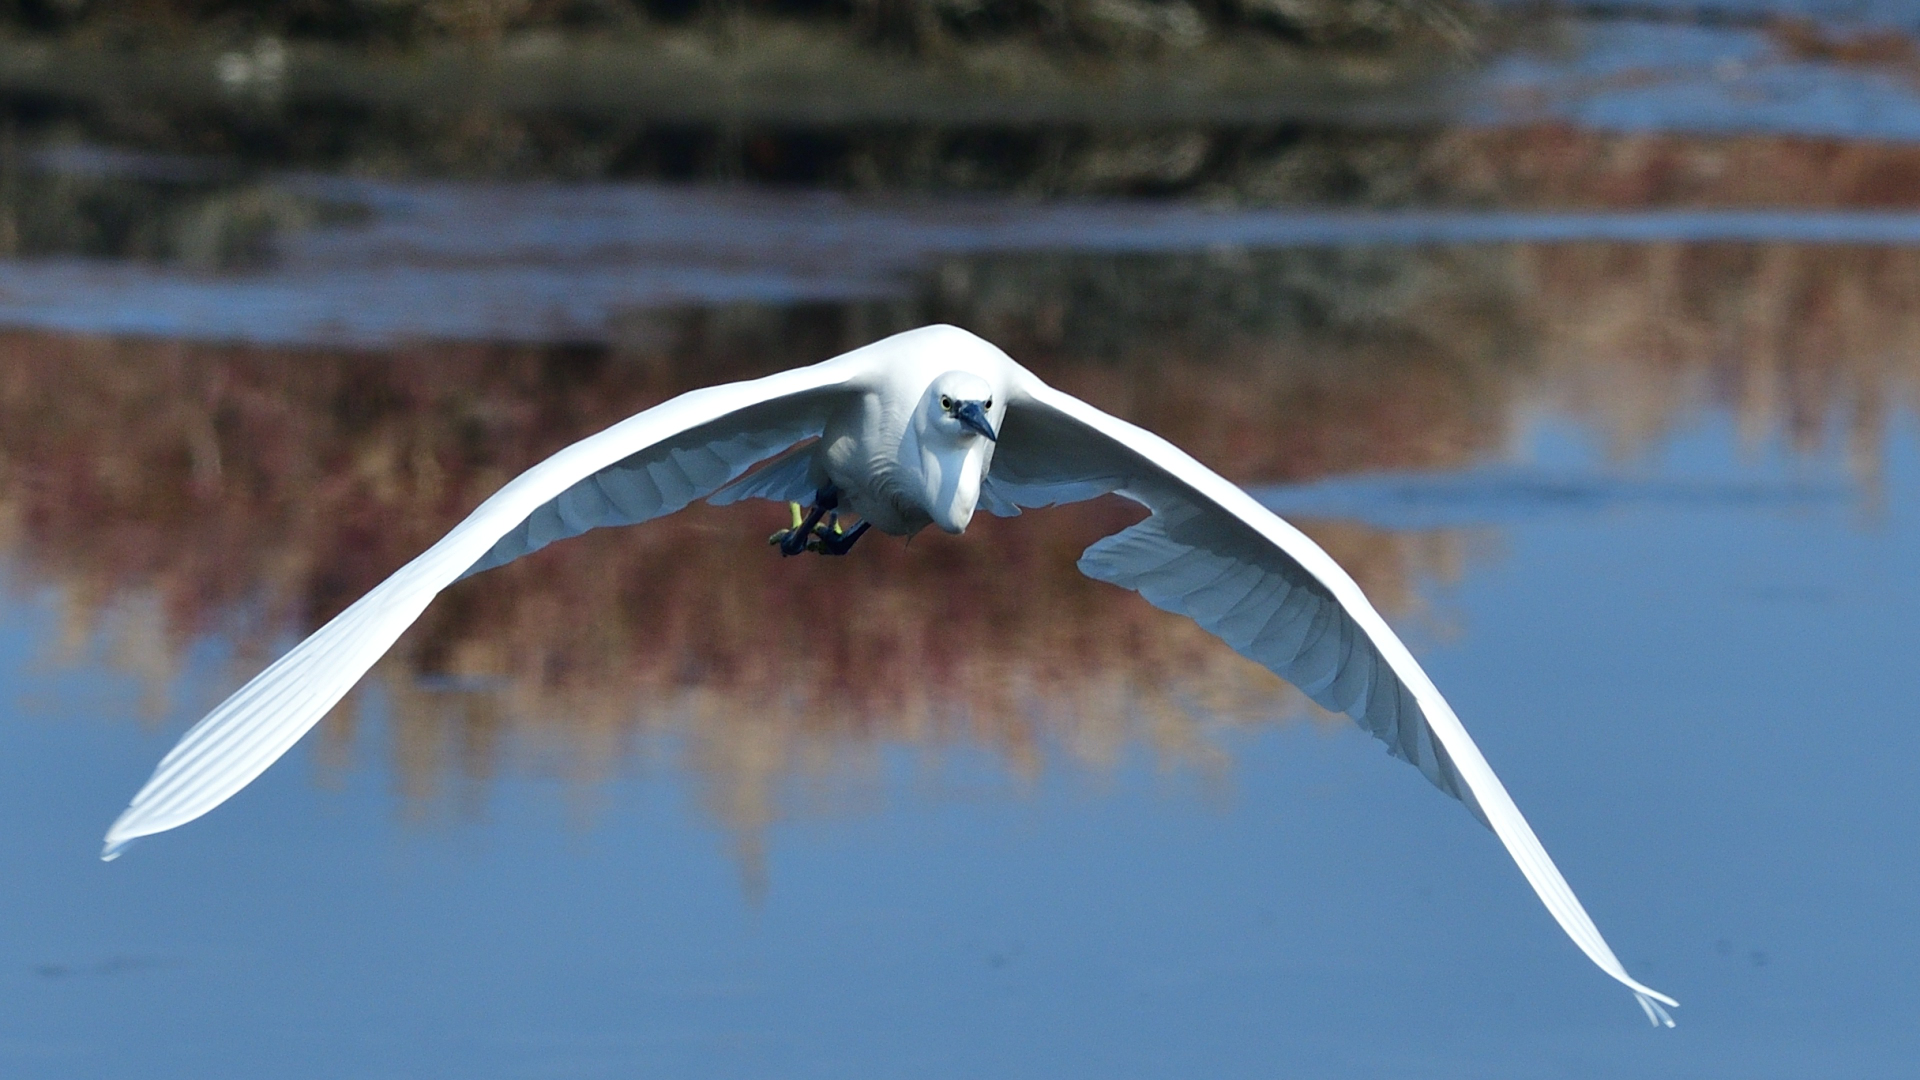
1585, 335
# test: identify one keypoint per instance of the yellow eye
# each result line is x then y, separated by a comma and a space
946, 402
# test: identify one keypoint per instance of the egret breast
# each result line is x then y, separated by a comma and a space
861, 460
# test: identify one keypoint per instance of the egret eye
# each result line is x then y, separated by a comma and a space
946, 402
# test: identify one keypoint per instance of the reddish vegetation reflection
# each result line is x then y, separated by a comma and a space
1816, 345
1564, 167
171, 491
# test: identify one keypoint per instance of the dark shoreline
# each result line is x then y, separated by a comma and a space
782, 73
1108, 29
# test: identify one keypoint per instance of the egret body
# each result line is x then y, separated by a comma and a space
920, 429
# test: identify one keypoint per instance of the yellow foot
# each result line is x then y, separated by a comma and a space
799, 519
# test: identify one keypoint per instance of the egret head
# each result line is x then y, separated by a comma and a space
958, 423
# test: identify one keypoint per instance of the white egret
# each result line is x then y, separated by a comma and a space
919, 429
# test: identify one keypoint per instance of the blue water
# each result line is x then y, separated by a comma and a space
1705, 707
1841, 13
1695, 671
1666, 77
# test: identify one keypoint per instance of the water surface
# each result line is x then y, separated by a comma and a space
1617, 426
658, 801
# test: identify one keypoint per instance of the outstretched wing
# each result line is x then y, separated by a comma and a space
644, 467
1212, 553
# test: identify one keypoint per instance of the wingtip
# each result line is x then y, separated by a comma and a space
1656, 1014
118, 839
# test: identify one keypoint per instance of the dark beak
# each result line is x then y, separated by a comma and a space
974, 415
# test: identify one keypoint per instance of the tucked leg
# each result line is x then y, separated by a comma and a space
797, 539
839, 543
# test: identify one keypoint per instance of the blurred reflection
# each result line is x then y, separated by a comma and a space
170, 491
1816, 345
175, 490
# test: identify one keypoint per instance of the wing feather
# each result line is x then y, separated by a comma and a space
676, 489
1210, 552
1241, 626
630, 492
1282, 635
787, 478
646, 466
583, 506
1342, 691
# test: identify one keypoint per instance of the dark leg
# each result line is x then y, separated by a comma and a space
839, 543
797, 539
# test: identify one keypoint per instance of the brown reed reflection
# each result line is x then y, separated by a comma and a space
1816, 345
170, 491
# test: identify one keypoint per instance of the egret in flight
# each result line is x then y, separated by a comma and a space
920, 429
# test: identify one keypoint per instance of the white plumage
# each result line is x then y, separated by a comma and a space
918, 429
